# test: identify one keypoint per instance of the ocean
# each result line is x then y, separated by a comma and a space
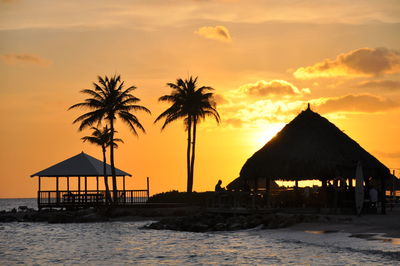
123, 243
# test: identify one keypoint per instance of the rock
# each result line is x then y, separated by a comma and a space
61, 217
198, 227
8, 218
219, 227
235, 226
23, 208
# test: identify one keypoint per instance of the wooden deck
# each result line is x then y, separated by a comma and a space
88, 198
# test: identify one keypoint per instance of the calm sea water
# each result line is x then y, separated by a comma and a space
121, 243
9, 204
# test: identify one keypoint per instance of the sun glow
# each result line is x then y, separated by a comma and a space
266, 133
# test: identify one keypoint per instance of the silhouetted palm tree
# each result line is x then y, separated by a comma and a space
109, 100
102, 138
191, 104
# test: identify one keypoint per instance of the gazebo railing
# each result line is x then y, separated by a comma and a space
64, 198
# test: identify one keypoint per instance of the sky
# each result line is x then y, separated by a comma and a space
265, 59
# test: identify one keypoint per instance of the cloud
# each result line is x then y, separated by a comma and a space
13, 59
219, 99
152, 14
272, 88
353, 103
357, 63
254, 104
390, 85
235, 122
219, 33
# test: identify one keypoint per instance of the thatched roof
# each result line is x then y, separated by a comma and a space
393, 183
79, 165
311, 147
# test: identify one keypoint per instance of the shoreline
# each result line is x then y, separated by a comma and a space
387, 225
195, 219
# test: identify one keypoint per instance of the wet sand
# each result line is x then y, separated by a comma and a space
365, 226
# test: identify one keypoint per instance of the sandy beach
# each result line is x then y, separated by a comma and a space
365, 226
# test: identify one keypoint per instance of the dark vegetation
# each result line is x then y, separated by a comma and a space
174, 196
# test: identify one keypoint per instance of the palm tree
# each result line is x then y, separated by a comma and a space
192, 104
107, 101
102, 138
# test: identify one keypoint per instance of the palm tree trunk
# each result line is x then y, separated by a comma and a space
108, 195
193, 154
114, 177
189, 172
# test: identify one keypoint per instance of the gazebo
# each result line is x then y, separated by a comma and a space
83, 166
312, 148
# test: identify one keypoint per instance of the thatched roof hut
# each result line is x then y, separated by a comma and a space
311, 147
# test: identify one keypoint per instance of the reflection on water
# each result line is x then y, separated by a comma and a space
125, 243
8, 204
395, 241
378, 237
321, 232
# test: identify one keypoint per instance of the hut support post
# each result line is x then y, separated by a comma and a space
383, 196
57, 191
253, 201
296, 193
350, 182
268, 192
68, 184
324, 193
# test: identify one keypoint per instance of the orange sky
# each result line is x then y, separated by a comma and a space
266, 60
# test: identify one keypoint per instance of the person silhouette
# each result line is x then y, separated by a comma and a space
218, 187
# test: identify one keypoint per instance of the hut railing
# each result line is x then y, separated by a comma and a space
89, 197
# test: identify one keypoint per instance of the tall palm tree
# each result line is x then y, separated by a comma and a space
102, 138
107, 101
192, 104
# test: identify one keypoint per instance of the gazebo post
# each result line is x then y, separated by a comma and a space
148, 187
57, 192
97, 189
123, 186
123, 183
85, 188
68, 184
39, 189
79, 188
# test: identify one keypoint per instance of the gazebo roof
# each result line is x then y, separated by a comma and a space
79, 165
311, 147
